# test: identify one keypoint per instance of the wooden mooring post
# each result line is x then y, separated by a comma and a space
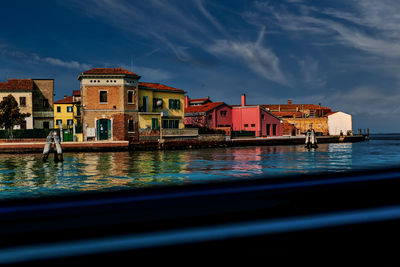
53, 138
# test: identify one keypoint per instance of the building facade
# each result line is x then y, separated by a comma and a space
302, 116
160, 106
340, 123
109, 104
255, 120
64, 113
210, 115
34, 96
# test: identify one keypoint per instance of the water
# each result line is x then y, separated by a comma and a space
24, 175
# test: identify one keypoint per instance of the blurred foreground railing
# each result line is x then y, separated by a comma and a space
353, 216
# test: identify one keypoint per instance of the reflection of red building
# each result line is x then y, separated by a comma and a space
255, 119
205, 113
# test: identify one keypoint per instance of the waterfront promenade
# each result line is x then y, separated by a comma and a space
36, 146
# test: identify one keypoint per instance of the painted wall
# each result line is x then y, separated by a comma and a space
23, 109
145, 120
64, 115
303, 124
250, 118
339, 121
217, 119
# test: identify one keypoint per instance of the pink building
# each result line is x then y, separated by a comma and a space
255, 119
210, 114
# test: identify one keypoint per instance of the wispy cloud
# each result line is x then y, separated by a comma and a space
372, 26
260, 59
14, 54
186, 29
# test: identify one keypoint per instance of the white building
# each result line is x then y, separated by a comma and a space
339, 122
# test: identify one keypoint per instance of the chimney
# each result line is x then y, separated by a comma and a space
65, 96
186, 101
289, 102
243, 100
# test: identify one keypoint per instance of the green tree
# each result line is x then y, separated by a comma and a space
10, 114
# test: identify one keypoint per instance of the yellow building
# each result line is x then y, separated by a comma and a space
160, 105
64, 111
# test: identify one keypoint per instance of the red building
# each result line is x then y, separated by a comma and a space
255, 120
207, 114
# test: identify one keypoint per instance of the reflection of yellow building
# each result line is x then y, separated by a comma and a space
156, 100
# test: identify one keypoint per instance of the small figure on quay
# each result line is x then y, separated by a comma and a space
311, 139
53, 138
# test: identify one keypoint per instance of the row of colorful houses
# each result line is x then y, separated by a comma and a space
112, 104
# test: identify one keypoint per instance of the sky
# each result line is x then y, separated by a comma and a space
341, 54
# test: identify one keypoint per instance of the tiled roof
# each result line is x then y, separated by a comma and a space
297, 114
66, 100
330, 113
110, 71
203, 108
199, 100
17, 84
158, 86
292, 107
76, 92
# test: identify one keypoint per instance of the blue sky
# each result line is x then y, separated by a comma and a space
342, 54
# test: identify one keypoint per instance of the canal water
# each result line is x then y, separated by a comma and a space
26, 175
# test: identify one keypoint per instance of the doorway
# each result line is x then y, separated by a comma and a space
104, 129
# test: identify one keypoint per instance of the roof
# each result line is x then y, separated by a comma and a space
76, 92
331, 113
200, 100
108, 71
66, 100
158, 86
203, 108
297, 114
292, 107
17, 84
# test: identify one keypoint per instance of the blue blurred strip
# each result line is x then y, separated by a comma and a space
197, 193
193, 235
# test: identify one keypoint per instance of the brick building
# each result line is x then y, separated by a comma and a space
109, 100
301, 116
34, 96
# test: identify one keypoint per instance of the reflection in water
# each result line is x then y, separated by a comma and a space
26, 175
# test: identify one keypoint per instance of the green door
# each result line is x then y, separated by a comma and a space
103, 129
68, 135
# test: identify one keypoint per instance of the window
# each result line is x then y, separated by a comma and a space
210, 117
262, 116
154, 124
130, 97
130, 126
174, 104
253, 125
69, 109
46, 125
273, 129
157, 103
58, 122
103, 97
22, 101
246, 125
223, 113
70, 122
46, 104
268, 129
170, 124
58, 109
